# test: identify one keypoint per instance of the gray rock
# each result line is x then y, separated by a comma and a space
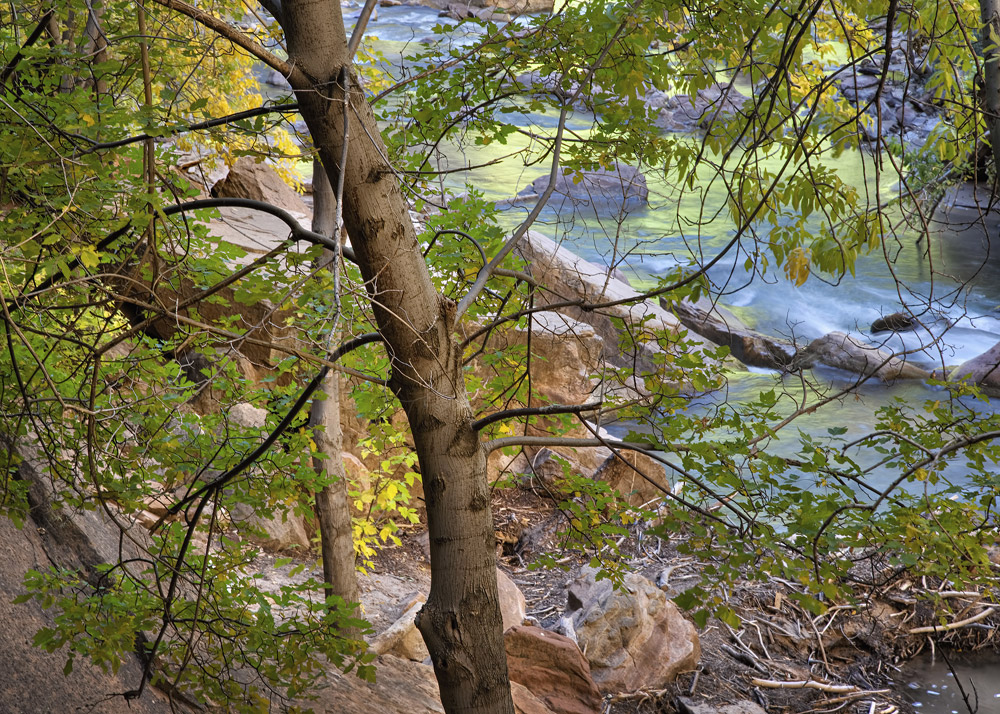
622, 188
260, 182
848, 353
983, 370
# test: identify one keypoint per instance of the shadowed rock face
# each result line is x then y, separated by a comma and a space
621, 189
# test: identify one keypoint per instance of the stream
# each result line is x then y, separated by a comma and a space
947, 280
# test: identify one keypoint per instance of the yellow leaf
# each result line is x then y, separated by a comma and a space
89, 257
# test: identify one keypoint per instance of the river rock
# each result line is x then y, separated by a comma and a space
620, 189
634, 638
848, 353
714, 322
682, 112
258, 181
894, 322
553, 668
983, 370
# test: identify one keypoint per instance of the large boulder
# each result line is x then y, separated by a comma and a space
636, 476
403, 639
553, 668
983, 370
634, 638
620, 189
842, 351
401, 687
260, 182
564, 354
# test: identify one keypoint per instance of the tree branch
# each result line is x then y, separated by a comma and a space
295, 76
298, 232
479, 424
32, 39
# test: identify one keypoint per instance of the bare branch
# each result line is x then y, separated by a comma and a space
359, 28
480, 424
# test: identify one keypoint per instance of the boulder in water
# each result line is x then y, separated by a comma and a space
896, 322
621, 188
845, 352
983, 370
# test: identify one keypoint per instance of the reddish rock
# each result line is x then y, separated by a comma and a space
553, 668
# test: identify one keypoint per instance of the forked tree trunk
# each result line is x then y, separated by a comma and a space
461, 621
333, 506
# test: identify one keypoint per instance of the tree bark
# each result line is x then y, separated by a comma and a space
990, 98
461, 621
333, 506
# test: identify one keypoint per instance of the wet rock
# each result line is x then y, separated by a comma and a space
260, 182
983, 370
622, 189
634, 638
848, 353
894, 322
681, 112
717, 324
553, 668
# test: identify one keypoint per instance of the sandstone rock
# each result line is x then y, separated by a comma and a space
281, 532
401, 687
260, 182
513, 606
634, 638
717, 324
32, 680
403, 639
625, 473
552, 667
686, 705
848, 353
983, 370
565, 353
622, 188
248, 416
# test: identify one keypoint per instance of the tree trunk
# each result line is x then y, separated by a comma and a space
990, 99
333, 506
461, 621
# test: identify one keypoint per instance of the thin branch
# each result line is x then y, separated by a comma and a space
287, 108
930, 629
295, 76
359, 29
480, 424
298, 232
32, 38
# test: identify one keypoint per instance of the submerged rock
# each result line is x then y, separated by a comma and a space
622, 188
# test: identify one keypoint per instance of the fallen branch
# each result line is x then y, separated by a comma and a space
929, 629
805, 684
